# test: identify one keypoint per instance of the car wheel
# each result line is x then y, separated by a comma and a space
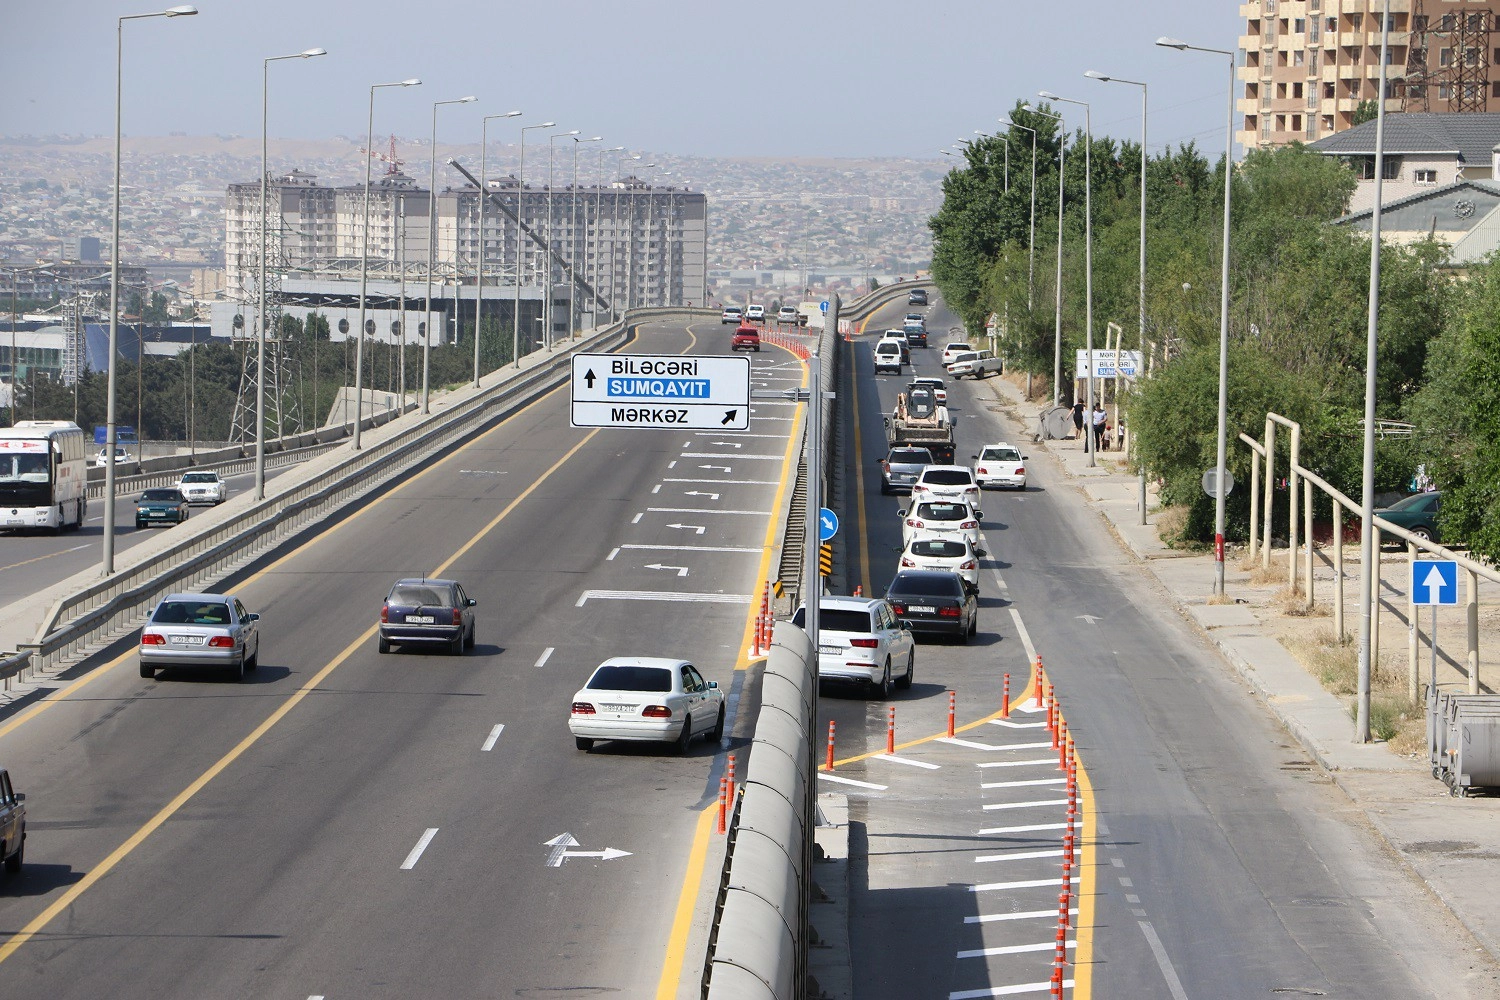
456, 647
583, 743
237, 672
384, 644
469, 643
911, 672
717, 733
883, 688
254, 661
1422, 532
14, 862
148, 671
681, 745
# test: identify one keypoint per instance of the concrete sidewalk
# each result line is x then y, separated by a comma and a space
1451, 844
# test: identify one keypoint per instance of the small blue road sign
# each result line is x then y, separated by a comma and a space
828, 524
1434, 581
823, 306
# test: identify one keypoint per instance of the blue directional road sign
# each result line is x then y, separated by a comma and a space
828, 524
823, 306
670, 392
1434, 581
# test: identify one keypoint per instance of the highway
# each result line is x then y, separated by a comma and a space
347, 824
1216, 860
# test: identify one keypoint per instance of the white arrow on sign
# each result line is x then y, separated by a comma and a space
1091, 619
560, 852
681, 570
699, 528
696, 493
1433, 581
721, 468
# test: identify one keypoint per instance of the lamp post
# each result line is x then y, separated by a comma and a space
111, 435
515, 334
484, 148
1367, 550
260, 313
1062, 157
1088, 263
432, 246
547, 330
364, 263
1031, 237
1181, 46
573, 242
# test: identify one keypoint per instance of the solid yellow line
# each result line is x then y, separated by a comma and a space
687, 900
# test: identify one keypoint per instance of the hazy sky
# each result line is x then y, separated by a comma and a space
772, 78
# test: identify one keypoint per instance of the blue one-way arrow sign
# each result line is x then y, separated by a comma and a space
1434, 581
828, 524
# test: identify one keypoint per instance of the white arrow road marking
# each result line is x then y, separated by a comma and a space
721, 468
679, 570
489, 744
560, 852
696, 493
1091, 619
778, 437
699, 528
416, 852
1434, 584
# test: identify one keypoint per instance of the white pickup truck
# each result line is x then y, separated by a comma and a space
976, 364
12, 824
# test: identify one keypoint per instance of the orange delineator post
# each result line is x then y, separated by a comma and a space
1040, 695
828, 765
1062, 743
890, 732
952, 710
729, 778
1005, 699
723, 803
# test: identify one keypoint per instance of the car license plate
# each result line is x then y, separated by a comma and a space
419, 619
14, 520
924, 608
156, 513
830, 649
189, 640
618, 708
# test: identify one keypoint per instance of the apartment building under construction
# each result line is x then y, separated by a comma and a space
1309, 66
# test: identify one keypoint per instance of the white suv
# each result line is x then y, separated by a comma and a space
946, 482
203, 487
859, 639
755, 313
940, 518
954, 349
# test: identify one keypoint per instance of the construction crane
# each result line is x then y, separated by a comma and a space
393, 162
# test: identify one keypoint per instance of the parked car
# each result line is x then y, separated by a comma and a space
1000, 464
165, 505
946, 518
648, 698
755, 313
976, 365
746, 338
203, 487
946, 482
122, 456
423, 612
954, 349
731, 314
900, 468
860, 639
200, 630
1417, 513
956, 555
888, 357
916, 297
936, 601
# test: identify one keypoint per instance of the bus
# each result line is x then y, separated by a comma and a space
43, 475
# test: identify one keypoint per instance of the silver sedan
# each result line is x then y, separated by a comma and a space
201, 630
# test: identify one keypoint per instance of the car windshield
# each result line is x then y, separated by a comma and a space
932, 383
935, 548
200, 477
925, 585
24, 468
958, 347
910, 456
943, 511
420, 596
947, 477
838, 619
618, 677
160, 496
1000, 455
1417, 501
191, 613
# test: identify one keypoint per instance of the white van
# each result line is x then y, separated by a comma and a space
889, 357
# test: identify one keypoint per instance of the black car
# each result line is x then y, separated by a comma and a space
916, 336
916, 297
422, 612
937, 601
901, 467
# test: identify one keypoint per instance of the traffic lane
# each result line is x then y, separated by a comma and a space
1208, 809
30, 563
570, 683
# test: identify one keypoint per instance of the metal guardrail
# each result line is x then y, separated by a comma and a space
13, 664
116, 604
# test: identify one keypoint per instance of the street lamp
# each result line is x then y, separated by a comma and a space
515, 335
431, 246
484, 148
1062, 157
260, 364
1088, 262
1031, 238
547, 304
1219, 491
111, 435
364, 262
986, 135
573, 243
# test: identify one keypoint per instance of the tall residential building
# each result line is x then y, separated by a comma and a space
1308, 65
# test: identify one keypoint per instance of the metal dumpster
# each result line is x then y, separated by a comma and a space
1437, 733
1472, 742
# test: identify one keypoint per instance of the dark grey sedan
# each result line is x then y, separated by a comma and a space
422, 612
936, 601
901, 467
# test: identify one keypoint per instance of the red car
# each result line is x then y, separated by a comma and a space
746, 337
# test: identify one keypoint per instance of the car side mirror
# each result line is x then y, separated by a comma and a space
981, 552
472, 602
975, 457
979, 513
900, 513
252, 616
1025, 458
713, 685
972, 588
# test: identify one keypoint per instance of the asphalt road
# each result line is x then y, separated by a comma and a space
348, 824
1220, 863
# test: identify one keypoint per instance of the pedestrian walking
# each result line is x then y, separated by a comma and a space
1100, 419
1078, 420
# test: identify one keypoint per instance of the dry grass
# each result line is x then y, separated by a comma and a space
1171, 522
1219, 599
1393, 717
1295, 605
1264, 576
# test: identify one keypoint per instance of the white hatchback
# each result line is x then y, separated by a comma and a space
648, 698
941, 518
860, 639
946, 482
954, 349
1000, 464
957, 555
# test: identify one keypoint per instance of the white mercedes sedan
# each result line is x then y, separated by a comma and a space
647, 698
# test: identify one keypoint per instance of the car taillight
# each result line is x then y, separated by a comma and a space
969, 564
583, 708
152, 639
969, 524
385, 614
947, 612
900, 609
458, 617
1020, 470
912, 522
221, 642
657, 712
864, 643
907, 561
982, 471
